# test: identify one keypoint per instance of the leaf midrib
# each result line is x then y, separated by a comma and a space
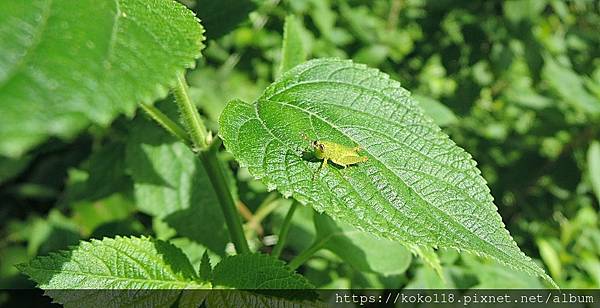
468, 175
450, 218
257, 117
387, 98
118, 278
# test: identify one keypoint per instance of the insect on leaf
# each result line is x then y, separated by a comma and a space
417, 187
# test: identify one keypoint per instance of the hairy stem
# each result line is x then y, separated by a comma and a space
232, 218
207, 150
190, 116
165, 122
285, 228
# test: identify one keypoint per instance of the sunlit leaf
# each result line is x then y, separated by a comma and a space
417, 187
64, 65
142, 264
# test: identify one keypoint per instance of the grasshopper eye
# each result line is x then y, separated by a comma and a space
321, 147
315, 143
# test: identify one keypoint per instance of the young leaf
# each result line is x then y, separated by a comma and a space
63, 66
171, 183
292, 52
593, 159
417, 187
363, 251
256, 271
114, 264
205, 271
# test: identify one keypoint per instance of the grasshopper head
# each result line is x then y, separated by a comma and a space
318, 145
319, 148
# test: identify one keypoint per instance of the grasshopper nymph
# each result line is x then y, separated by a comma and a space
339, 154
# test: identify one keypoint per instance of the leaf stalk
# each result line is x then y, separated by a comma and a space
285, 228
165, 122
190, 116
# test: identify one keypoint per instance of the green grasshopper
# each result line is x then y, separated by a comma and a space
338, 154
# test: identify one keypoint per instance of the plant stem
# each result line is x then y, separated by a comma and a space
213, 168
285, 228
166, 123
207, 150
190, 116
306, 254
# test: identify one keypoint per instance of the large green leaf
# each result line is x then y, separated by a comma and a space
114, 264
417, 187
64, 64
171, 184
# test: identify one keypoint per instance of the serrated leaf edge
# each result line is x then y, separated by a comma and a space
287, 193
183, 281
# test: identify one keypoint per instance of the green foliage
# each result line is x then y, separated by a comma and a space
439, 113
267, 273
205, 271
593, 160
63, 66
569, 86
293, 48
120, 263
418, 187
172, 185
361, 250
515, 83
